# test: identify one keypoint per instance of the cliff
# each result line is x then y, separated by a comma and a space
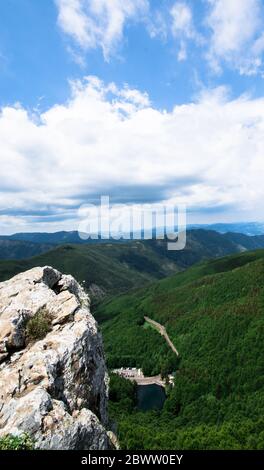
53, 379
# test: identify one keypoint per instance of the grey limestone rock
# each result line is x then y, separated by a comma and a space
54, 388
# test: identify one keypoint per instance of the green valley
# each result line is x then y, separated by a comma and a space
213, 313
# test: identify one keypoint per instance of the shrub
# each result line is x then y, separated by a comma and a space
38, 326
23, 442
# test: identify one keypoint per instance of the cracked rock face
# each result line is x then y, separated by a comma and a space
54, 388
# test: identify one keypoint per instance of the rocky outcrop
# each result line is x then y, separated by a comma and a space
53, 387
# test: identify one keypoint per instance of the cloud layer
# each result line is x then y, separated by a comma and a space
107, 140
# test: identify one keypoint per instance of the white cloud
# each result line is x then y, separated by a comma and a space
106, 140
236, 27
98, 23
182, 27
182, 19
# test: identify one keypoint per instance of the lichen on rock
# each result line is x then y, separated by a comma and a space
55, 388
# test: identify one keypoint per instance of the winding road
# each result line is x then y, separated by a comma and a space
162, 330
136, 375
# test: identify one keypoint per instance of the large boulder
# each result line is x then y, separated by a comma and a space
53, 387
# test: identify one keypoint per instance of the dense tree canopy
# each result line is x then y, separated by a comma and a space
214, 314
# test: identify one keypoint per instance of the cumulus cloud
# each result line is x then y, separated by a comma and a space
237, 37
98, 23
107, 140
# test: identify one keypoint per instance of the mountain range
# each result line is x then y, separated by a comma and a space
62, 237
118, 267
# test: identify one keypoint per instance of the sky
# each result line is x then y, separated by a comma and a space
147, 101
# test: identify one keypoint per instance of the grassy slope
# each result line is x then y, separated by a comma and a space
214, 313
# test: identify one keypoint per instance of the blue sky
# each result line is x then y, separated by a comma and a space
36, 64
173, 111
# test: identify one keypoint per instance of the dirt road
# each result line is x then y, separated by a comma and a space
162, 330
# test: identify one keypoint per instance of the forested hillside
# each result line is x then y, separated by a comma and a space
15, 249
214, 314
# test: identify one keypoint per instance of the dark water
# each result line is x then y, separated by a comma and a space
150, 397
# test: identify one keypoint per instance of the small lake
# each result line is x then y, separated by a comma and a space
150, 397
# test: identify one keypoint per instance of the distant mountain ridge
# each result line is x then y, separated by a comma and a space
16, 249
62, 237
246, 228
45, 237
